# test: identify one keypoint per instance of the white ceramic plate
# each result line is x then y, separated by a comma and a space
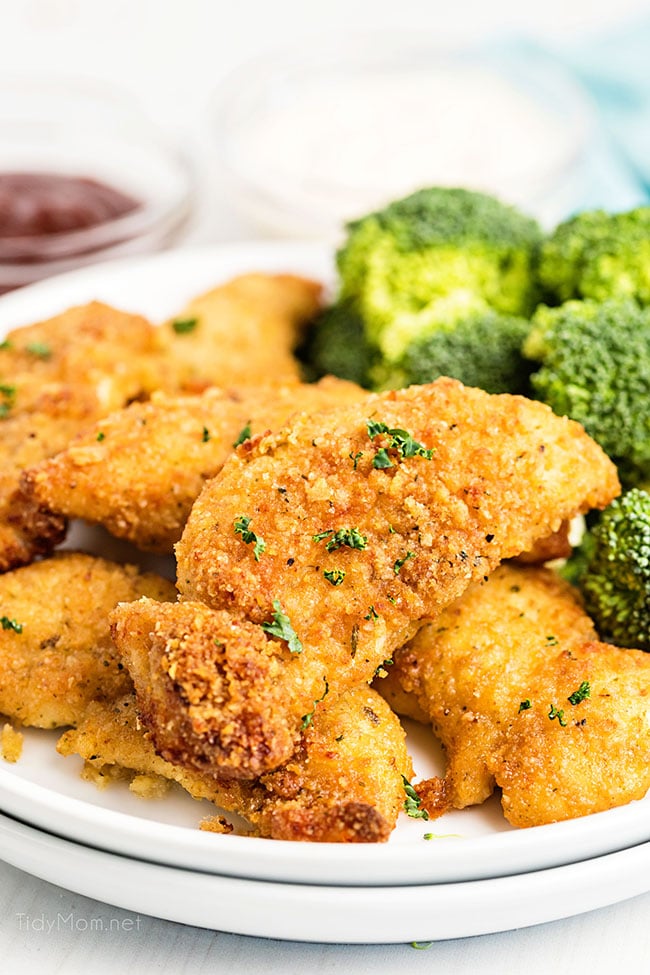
334, 914
45, 790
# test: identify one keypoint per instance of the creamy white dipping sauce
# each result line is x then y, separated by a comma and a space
332, 149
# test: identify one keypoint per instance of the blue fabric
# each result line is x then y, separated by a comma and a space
613, 70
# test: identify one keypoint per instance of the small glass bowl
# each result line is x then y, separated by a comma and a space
88, 130
312, 137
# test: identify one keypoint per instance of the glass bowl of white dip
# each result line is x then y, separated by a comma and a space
310, 138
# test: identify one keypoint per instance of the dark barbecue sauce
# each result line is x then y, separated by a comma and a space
39, 204
51, 221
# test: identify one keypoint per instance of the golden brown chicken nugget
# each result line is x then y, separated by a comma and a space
57, 378
139, 470
343, 785
340, 534
244, 331
470, 669
56, 653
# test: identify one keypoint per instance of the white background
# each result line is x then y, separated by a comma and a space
171, 55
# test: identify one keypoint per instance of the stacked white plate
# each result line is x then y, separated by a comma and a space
475, 875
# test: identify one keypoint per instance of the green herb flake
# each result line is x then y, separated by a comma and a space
525, 705
335, 576
8, 624
551, 640
421, 945
400, 562
381, 461
8, 394
350, 537
244, 434
355, 458
101, 436
321, 535
559, 714
39, 349
399, 440
381, 669
372, 614
5, 345
183, 326
241, 527
281, 627
583, 692
413, 802
205, 436
308, 718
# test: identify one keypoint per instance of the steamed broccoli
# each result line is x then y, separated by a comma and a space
336, 344
435, 258
595, 368
598, 255
614, 571
482, 350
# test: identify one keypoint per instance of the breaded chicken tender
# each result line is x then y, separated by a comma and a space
340, 534
343, 785
244, 331
139, 471
469, 670
56, 654
58, 377
522, 696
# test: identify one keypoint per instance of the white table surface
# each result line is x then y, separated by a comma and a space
170, 54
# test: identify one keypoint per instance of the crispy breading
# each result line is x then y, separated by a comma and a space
550, 771
503, 471
58, 377
56, 653
523, 697
343, 785
244, 331
139, 470
470, 669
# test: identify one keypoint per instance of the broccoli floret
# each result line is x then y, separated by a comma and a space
433, 259
614, 577
336, 345
483, 350
598, 255
595, 368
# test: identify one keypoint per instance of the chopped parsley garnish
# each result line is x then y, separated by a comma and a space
282, 628
372, 614
351, 537
583, 692
399, 440
551, 640
335, 576
8, 394
381, 669
413, 802
559, 714
8, 624
400, 562
308, 718
183, 326
101, 436
355, 458
244, 434
39, 349
241, 527
205, 436
381, 460
525, 705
